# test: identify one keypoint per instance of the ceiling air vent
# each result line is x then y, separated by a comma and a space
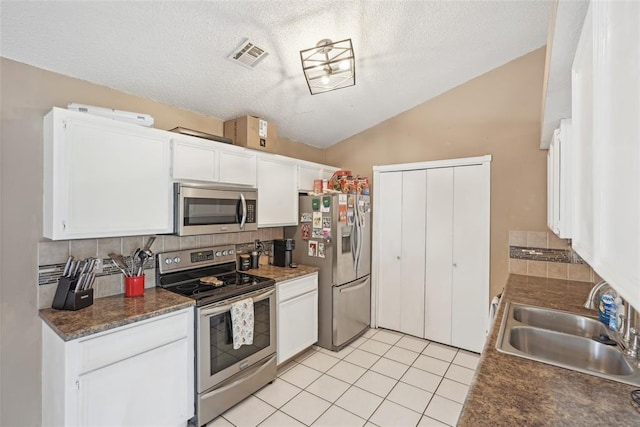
248, 54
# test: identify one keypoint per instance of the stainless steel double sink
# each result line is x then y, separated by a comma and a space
564, 339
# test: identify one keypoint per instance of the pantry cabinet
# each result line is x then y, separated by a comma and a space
277, 191
138, 374
297, 315
432, 254
605, 111
104, 178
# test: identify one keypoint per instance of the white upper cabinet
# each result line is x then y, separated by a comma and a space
559, 182
238, 166
308, 172
616, 145
277, 191
195, 159
104, 178
606, 111
582, 117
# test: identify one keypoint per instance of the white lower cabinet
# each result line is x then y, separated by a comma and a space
297, 315
135, 375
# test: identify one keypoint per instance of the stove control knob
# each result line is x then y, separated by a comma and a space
168, 261
224, 253
176, 259
218, 253
231, 251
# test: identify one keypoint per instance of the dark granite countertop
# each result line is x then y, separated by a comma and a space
112, 312
280, 274
117, 310
511, 391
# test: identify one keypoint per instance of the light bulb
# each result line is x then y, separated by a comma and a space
345, 65
325, 79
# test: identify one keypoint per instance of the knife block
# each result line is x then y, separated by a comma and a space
68, 299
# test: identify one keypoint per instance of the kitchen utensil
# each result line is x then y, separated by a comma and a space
67, 267
119, 262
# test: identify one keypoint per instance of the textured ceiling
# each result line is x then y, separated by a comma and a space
175, 52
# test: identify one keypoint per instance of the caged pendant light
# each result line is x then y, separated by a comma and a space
329, 66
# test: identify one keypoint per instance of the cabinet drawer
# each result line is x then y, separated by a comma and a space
130, 340
295, 287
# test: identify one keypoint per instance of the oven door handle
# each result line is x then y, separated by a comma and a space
244, 211
217, 310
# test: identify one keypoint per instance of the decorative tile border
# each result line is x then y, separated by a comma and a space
548, 255
49, 274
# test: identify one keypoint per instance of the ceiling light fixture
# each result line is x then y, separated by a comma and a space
329, 66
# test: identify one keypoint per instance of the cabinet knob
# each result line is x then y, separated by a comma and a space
455, 264
398, 257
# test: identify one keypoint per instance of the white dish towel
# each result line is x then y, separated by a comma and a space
242, 322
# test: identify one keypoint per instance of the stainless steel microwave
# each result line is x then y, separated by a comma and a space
201, 209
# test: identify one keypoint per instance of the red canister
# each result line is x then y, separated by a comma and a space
134, 286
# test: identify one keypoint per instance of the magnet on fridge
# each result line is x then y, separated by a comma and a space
317, 220
326, 222
315, 204
342, 199
313, 248
306, 217
305, 231
320, 249
342, 213
350, 217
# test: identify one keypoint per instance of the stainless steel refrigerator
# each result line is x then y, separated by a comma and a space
334, 234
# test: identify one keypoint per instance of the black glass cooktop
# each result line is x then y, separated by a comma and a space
208, 285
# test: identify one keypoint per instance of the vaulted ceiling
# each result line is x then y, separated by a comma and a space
175, 52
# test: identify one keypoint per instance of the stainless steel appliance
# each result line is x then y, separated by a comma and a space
203, 209
335, 235
224, 376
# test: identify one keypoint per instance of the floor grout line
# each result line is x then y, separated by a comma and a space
293, 363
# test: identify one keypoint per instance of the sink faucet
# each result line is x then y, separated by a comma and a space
590, 303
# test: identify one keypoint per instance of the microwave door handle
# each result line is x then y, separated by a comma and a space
244, 210
217, 310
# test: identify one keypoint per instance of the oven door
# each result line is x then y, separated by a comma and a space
206, 210
217, 360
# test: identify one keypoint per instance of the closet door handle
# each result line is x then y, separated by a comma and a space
455, 264
398, 257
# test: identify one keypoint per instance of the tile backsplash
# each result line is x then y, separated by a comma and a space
543, 254
52, 255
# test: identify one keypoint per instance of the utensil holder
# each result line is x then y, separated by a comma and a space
66, 298
134, 286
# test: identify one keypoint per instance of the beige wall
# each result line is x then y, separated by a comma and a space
497, 113
28, 93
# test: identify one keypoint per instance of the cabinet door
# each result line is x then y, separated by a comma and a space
551, 183
297, 316
470, 279
193, 161
149, 389
277, 191
328, 171
104, 178
389, 246
439, 255
237, 167
616, 139
412, 310
582, 116
307, 173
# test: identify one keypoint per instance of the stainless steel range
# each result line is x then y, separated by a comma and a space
224, 376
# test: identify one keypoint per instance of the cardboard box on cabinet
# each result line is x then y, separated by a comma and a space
252, 132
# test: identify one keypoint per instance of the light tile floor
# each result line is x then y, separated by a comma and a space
384, 378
